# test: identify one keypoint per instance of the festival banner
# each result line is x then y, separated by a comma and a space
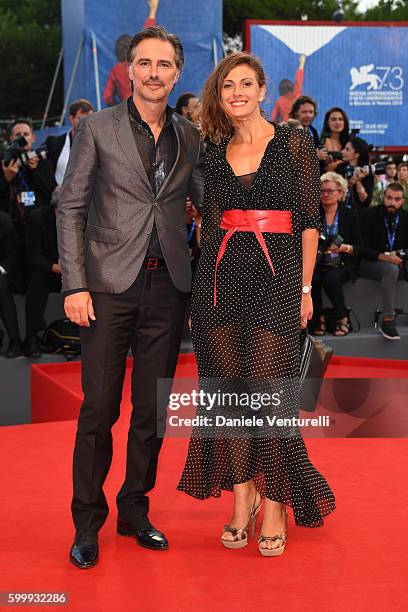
104, 28
360, 68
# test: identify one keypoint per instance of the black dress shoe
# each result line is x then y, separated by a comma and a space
32, 347
85, 552
146, 535
14, 349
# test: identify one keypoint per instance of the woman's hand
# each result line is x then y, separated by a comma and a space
360, 174
306, 310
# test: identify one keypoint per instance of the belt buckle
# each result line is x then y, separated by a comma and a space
152, 263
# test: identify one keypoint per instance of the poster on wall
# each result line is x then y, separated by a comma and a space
109, 25
362, 69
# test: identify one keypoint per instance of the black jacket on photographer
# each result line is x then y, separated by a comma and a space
8, 246
375, 236
39, 180
349, 230
41, 240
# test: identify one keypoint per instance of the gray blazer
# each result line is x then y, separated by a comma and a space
106, 207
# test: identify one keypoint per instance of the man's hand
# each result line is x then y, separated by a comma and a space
56, 268
390, 258
33, 162
79, 308
11, 170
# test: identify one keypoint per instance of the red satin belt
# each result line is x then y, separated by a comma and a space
257, 221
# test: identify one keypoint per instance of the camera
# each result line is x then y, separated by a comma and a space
335, 155
347, 171
403, 254
16, 151
41, 153
378, 168
328, 260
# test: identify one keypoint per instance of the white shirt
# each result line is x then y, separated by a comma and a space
63, 160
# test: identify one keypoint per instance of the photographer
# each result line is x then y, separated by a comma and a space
26, 182
59, 147
304, 109
355, 169
384, 235
8, 257
44, 272
402, 178
334, 137
338, 252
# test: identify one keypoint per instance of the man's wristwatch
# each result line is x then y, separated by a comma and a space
306, 289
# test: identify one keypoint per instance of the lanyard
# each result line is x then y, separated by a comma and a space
332, 230
391, 235
192, 230
349, 203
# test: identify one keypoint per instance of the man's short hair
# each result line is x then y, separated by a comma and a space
162, 34
18, 120
394, 187
299, 102
82, 104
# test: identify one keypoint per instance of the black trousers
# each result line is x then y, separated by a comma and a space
40, 284
8, 311
148, 317
332, 281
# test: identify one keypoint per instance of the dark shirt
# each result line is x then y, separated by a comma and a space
158, 159
375, 235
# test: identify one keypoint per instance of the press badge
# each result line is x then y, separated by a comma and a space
28, 198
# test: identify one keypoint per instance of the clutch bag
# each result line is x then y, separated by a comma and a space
315, 357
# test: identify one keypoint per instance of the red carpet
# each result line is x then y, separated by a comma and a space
56, 393
357, 561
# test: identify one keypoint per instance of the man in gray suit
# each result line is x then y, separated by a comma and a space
126, 273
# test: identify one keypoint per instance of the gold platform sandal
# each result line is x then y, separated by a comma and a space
273, 552
241, 535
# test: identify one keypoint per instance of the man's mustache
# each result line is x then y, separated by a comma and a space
152, 81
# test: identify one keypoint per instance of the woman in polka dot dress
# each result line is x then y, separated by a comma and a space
251, 295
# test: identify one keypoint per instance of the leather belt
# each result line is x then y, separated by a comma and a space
257, 221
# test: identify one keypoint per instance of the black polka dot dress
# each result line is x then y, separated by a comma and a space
249, 341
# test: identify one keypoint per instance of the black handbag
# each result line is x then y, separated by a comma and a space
62, 338
315, 357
